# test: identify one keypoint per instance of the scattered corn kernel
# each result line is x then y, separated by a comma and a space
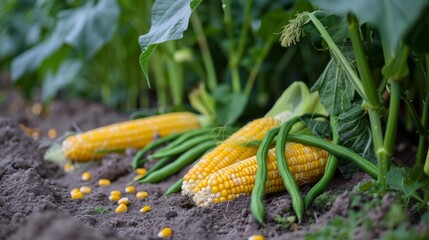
256, 237
142, 195
116, 192
130, 189
74, 190
52, 133
36, 109
86, 176
141, 171
165, 233
77, 195
68, 167
121, 208
136, 178
104, 182
124, 200
114, 198
85, 189
145, 209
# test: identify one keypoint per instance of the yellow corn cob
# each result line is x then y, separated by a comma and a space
135, 133
228, 152
306, 165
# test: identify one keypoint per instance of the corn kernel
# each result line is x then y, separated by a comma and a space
141, 171
86, 176
121, 208
85, 189
145, 209
104, 182
116, 192
52, 133
124, 200
165, 233
68, 167
114, 198
74, 190
256, 237
136, 178
142, 195
77, 195
130, 189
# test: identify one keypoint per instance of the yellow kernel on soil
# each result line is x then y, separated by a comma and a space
121, 208
145, 209
165, 233
256, 237
116, 192
77, 195
130, 189
141, 171
142, 195
114, 198
85, 189
104, 182
68, 167
124, 200
136, 178
86, 176
36, 109
74, 190
52, 133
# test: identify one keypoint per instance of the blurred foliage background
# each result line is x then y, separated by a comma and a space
89, 49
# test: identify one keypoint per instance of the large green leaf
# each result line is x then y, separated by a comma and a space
335, 24
89, 27
229, 105
336, 93
355, 133
392, 18
170, 18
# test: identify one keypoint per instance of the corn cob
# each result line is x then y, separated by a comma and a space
306, 164
135, 133
228, 152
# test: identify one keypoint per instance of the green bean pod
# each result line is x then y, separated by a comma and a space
183, 147
330, 168
188, 135
139, 160
257, 206
174, 188
175, 166
158, 165
288, 180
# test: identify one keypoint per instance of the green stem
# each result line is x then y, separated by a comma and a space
425, 117
160, 82
258, 62
175, 75
205, 51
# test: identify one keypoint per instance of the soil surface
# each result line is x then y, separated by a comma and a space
35, 200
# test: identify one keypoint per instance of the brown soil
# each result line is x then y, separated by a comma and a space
35, 198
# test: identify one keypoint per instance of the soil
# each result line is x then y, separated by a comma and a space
35, 200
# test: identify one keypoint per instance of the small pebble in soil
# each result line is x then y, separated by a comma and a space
171, 214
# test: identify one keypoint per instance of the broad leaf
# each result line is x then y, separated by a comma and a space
229, 106
318, 128
355, 133
170, 18
417, 36
67, 72
392, 18
336, 93
89, 27
335, 24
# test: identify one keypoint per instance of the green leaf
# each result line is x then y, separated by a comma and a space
335, 24
31, 59
229, 105
68, 71
144, 61
89, 27
336, 94
317, 127
397, 68
392, 18
417, 36
355, 133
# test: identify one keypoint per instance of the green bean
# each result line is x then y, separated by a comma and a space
188, 135
182, 147
330, 168
337, 150
174, 188
288, 180
257, 206
139, 160
158, 165
179, 163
